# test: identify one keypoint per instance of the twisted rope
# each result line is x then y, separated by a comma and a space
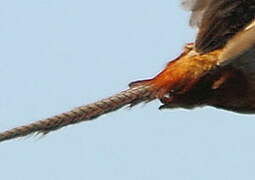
83, 113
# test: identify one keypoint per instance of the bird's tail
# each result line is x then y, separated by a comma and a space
88, 112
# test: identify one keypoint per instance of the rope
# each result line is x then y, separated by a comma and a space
84, 113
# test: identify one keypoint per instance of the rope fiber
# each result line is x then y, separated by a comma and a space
88, 112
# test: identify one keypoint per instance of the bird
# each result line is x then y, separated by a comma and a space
217, 69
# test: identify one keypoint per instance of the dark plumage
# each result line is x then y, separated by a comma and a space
219, 20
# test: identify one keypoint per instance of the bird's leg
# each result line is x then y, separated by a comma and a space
181, 74
165, 77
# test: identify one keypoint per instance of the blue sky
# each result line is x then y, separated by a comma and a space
60, 54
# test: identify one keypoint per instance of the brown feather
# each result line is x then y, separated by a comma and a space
219, 20
197, 7
241, 44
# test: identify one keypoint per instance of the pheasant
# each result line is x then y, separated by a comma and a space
217, 70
